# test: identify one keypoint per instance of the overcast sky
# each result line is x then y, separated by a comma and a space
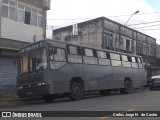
68, 12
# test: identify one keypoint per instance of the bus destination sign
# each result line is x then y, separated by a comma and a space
31, 47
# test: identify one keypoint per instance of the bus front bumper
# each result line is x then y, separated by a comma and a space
34, 91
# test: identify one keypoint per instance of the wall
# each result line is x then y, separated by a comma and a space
89, 34
158, 51
19, 31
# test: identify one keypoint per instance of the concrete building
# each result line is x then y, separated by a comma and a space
107, 34
21, 22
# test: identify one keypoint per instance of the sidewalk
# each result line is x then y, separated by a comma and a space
8, 99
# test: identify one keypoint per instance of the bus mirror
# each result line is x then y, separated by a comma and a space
54, 50
51, 51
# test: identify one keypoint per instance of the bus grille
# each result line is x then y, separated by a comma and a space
27, 83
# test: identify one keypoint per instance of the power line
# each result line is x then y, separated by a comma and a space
107, 16
146, 26
149, 29
70, 19
143, 23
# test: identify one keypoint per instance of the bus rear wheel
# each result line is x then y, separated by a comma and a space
76, 91
127, 87
48, 98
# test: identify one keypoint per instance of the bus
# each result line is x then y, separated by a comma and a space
48, 68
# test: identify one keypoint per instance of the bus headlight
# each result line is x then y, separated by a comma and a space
20, 87
39, 84
43, 83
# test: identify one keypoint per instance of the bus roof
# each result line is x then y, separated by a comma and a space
45, 41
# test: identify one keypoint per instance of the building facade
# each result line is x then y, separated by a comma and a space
107, 34
21, 22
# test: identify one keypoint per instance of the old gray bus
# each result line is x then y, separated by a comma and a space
48, 68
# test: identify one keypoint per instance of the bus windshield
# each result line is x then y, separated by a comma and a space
33, 61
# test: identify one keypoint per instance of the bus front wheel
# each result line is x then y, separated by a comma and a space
76, 91
127, 87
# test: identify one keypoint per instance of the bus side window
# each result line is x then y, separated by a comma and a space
59, 54
57, 58
103, 58
115, 59
74, 54
134, 62
89, 56
125, 61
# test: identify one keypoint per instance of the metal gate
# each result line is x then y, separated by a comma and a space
8, 73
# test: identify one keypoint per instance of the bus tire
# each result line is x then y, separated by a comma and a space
127, 87
76, 91
104, 92
48, 98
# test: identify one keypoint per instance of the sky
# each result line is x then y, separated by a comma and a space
68, 12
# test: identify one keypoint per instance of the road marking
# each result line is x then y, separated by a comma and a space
109, 116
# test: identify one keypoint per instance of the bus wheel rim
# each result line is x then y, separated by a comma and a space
77, 91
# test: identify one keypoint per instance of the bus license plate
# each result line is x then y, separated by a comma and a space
29, 93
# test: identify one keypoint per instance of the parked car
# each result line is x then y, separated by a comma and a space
154, 82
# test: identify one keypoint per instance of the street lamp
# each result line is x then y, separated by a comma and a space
131, 16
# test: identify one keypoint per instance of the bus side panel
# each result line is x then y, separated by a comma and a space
61, 78
120, 74
98, 76
139, 78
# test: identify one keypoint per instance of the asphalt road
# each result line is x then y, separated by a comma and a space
142, 100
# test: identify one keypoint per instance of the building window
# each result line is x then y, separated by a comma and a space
40, 19
128, 45
125, 43
139, 47
148, 49
121, 43
12, 10
20, 13
34, 17
27, 15
4, 11
108, 39
9, 9
153, 51
144, 48
117, 41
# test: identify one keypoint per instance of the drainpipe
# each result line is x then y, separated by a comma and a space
44, 22
0, 16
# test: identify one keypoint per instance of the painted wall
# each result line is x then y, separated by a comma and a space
19, 31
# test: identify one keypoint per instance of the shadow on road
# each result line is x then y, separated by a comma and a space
12, 100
